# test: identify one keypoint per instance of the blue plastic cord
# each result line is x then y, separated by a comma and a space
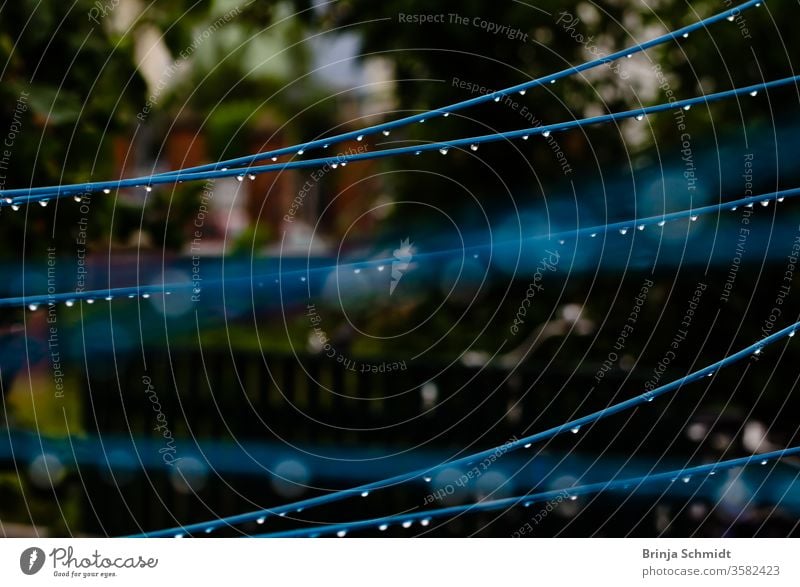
526, 442
58, 191
425, 517
35, 301
20, 196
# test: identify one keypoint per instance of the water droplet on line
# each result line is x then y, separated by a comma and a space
43, 203
623, 231
575, 429
522, 92
383, 527
443, 150
364, 493
687, 107
764, 203
407, 524
341, 533
754, 93
386, 133
473, 147
360, 138
106, 191
33, 307
639, 117
546, 134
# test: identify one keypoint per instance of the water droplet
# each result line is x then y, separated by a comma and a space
754, 93
734, 208
427, 479
712, 473
89, 301
334, 165
109, 298
692, 218
417, 152
640, 227
623, 231
106, 191
69, 303
131, 296
386, 133
261, 520
251, 176
301, 151
344, 163
421, 120
525, 137
528, 445
33, 307
473, 147
179, 535
522, 92
552, 81
145, 295
629, 55
148, 188
446, 114
764, 462
750, 205
240, 178
15, 207
764, 203
791, 334
381, 267
561, 241
757, 351
648, 397
443, 150
685, 35
407, 524
711, 374
546, 134
274, 158
781, 199
302, 279
77, 198
356, 271
497, 98
686, 479
575, 429
224, 169
573, 497
731, 18
425, 522
383, 527
594, 234
43, 203
687, 107
341, 533
209, 530
360, 138
364, 493
8, 200
639, 117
